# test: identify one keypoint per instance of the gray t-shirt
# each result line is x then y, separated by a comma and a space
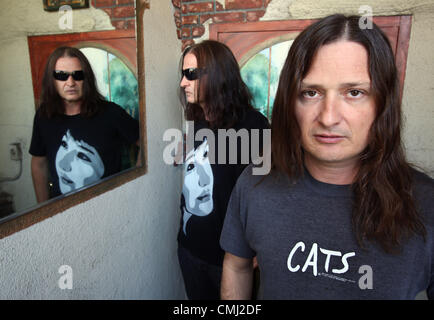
306, 249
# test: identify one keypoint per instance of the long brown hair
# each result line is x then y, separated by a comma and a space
384, 209
51, 104
221, 88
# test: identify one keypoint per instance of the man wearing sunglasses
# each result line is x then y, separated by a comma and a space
69, 85
215, 99
77, 135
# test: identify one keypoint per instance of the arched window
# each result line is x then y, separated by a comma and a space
261, 74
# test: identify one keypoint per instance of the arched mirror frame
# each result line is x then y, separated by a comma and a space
19, 221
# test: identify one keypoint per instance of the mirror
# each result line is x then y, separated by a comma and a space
19, 20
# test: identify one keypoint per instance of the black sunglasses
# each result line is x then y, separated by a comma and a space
64, 75
192, 73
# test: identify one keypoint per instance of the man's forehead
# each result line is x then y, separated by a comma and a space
342, 61
357, 83
66, 61
190, 61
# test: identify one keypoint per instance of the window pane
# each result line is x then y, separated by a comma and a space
255, 75
279, 53
261, 75
98, 61
123, 86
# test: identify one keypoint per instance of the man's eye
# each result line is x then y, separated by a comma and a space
84, 157
190, 167
355, 93
309, 94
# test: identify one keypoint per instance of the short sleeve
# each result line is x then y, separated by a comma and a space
233, 236
37, 147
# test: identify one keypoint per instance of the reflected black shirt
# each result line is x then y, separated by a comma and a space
82, 150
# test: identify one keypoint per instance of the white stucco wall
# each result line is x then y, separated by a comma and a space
122, 244
418, 102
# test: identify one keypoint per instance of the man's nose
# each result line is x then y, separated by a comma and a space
70, 81
184, 82
329, 114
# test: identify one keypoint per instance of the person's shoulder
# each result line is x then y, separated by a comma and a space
422, 181
38, 113
252, 177
246, 177
254, 119
109, 105
423, 190
41, 117
111, 108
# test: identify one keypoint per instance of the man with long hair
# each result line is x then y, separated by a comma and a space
214, 97
341, 215
77, 134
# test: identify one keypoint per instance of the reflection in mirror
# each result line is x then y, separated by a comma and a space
117, 83
261, 74
77, 134
20, 88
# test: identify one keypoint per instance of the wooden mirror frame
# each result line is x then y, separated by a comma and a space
22, 220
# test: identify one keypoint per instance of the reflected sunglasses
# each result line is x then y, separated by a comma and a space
64, 75
192, 73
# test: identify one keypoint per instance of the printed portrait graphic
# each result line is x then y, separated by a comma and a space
198, 184
77, 164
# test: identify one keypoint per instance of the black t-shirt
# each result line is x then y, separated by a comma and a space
208, 184
82, 150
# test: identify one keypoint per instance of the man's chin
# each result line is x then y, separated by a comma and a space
72, 100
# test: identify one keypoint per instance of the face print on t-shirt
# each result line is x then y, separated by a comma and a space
198, 183
77, 164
